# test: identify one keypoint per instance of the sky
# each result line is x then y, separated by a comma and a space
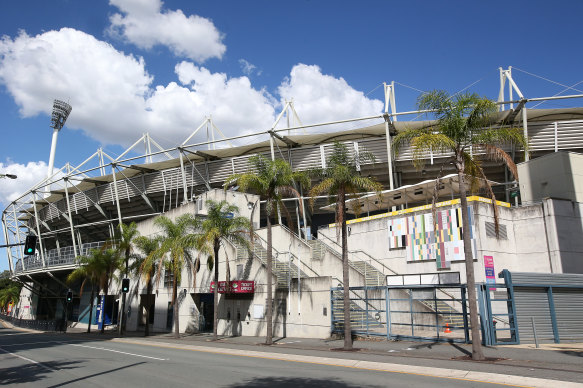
133, 66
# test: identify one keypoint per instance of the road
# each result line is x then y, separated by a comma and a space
55, 360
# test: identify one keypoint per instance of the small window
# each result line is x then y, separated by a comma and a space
491, 230
418, 192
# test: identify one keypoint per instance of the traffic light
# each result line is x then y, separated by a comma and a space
30, 245
69, 296
125, 285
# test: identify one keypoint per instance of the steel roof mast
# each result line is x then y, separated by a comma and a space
61, 111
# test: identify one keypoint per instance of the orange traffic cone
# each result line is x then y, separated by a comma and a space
447, 330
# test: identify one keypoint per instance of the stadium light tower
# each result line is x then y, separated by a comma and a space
61, 111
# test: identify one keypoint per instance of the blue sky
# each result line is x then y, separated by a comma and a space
131, 66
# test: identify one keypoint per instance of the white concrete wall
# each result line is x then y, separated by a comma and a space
524, 250
564, 225
556, 175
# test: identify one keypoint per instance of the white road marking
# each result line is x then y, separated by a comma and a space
116, 351
22, 333
30, 360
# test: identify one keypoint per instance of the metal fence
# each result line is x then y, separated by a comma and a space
34, 324
437, 313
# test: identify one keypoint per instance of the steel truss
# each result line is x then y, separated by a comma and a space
79, 205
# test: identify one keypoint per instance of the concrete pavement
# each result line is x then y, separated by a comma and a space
518, 366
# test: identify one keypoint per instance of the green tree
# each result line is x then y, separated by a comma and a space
465, 124
123, 243
217, 227
177, 238
99, 266
90, 270
9, 290
272, 180
341, 179
10, 293
146, 269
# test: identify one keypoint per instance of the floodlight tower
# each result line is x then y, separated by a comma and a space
61, 111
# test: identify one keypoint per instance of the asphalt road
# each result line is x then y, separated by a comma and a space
53, 360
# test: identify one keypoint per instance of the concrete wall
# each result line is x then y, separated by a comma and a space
564, 225
556, 175
524, 249
236, 312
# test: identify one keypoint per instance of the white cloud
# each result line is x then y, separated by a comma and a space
144, 24
105, 87
112, 95
114, 100
320, 97
248, 68
28, 175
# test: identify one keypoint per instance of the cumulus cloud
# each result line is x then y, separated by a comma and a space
143, 23
320, 97
28, 175
115, 101
105, 87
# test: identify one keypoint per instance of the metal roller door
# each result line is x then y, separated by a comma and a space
569, 312
533, 302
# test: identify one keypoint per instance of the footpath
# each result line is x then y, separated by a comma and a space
521, 365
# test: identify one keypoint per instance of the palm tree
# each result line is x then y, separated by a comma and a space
110, 263
88, 271
123, 243
272, 180
217, 227
177, 238
464, 126
146, 269
341, 179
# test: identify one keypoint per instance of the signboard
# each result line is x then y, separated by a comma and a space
236, 287
490, 272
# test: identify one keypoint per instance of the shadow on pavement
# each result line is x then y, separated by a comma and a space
295, 382
30, 373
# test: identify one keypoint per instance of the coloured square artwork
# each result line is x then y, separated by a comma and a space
423, 240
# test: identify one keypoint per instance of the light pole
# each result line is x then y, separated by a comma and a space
61, 111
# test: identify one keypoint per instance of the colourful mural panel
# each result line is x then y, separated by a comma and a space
424, 241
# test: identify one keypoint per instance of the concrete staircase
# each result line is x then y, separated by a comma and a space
358, 314
373, 277
281, 269
449, 314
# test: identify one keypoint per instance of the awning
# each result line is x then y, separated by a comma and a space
421, 192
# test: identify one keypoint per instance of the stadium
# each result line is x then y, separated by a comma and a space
398, 291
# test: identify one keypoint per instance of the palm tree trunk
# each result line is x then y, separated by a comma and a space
477, 353
148, 292
175, 306
216, 292
345, 277
269, 313
91, 308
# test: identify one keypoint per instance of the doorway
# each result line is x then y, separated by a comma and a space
205, 305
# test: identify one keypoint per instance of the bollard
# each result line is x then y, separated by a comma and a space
534, 331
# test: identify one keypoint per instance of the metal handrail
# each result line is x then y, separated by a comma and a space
277, 252
359, 250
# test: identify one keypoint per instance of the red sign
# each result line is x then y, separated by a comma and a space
236, 287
